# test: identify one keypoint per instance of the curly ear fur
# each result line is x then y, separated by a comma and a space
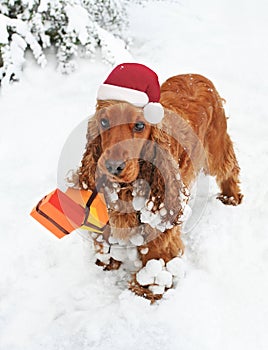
161, 171
87, 171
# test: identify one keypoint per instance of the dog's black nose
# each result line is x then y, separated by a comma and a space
115, 167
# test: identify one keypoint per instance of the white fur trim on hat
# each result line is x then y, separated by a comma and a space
153, 112
113, 92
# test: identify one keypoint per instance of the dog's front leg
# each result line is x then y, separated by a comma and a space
160, 263
102, 249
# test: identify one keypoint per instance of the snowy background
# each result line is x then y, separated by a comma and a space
52, 296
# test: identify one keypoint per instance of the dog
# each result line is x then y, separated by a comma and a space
145, 172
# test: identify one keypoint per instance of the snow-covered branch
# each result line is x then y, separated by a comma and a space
74, 27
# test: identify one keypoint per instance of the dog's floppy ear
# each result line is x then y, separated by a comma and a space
160, 170
87, 171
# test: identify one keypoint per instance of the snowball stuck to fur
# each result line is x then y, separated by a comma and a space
163, 211
138, 202
147, 217
144, 278
144, 251
99, 238
105, 258
122, 242
84, 185
150, 205
155, 289
178, 176
132, 253
186, 213
118, 253
112, 194
164, 278
112, 240
174, 266
162, 262
137, 239
138, 263
153, 267
105, 247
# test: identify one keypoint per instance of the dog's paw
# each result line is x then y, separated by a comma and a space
144, 291
230, 200
154, 279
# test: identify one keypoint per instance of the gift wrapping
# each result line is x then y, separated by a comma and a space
61, 213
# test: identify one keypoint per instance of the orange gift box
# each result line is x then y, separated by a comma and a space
61, 213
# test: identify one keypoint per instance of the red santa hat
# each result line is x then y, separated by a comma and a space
136, 84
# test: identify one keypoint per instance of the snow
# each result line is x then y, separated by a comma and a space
13, 55
78, 22
52, 296
113, 48
43, 5
3, 30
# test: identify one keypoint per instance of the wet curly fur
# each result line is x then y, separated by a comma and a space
192, 136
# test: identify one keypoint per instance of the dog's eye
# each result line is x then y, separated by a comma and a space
139, 126
105, 123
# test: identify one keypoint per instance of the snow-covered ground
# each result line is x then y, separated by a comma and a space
52, 296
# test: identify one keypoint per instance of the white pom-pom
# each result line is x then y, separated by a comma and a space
153, 112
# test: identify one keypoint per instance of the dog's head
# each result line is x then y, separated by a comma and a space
122, 147
120, 132
123, 132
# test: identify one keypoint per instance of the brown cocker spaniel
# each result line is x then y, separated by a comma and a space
145, 172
